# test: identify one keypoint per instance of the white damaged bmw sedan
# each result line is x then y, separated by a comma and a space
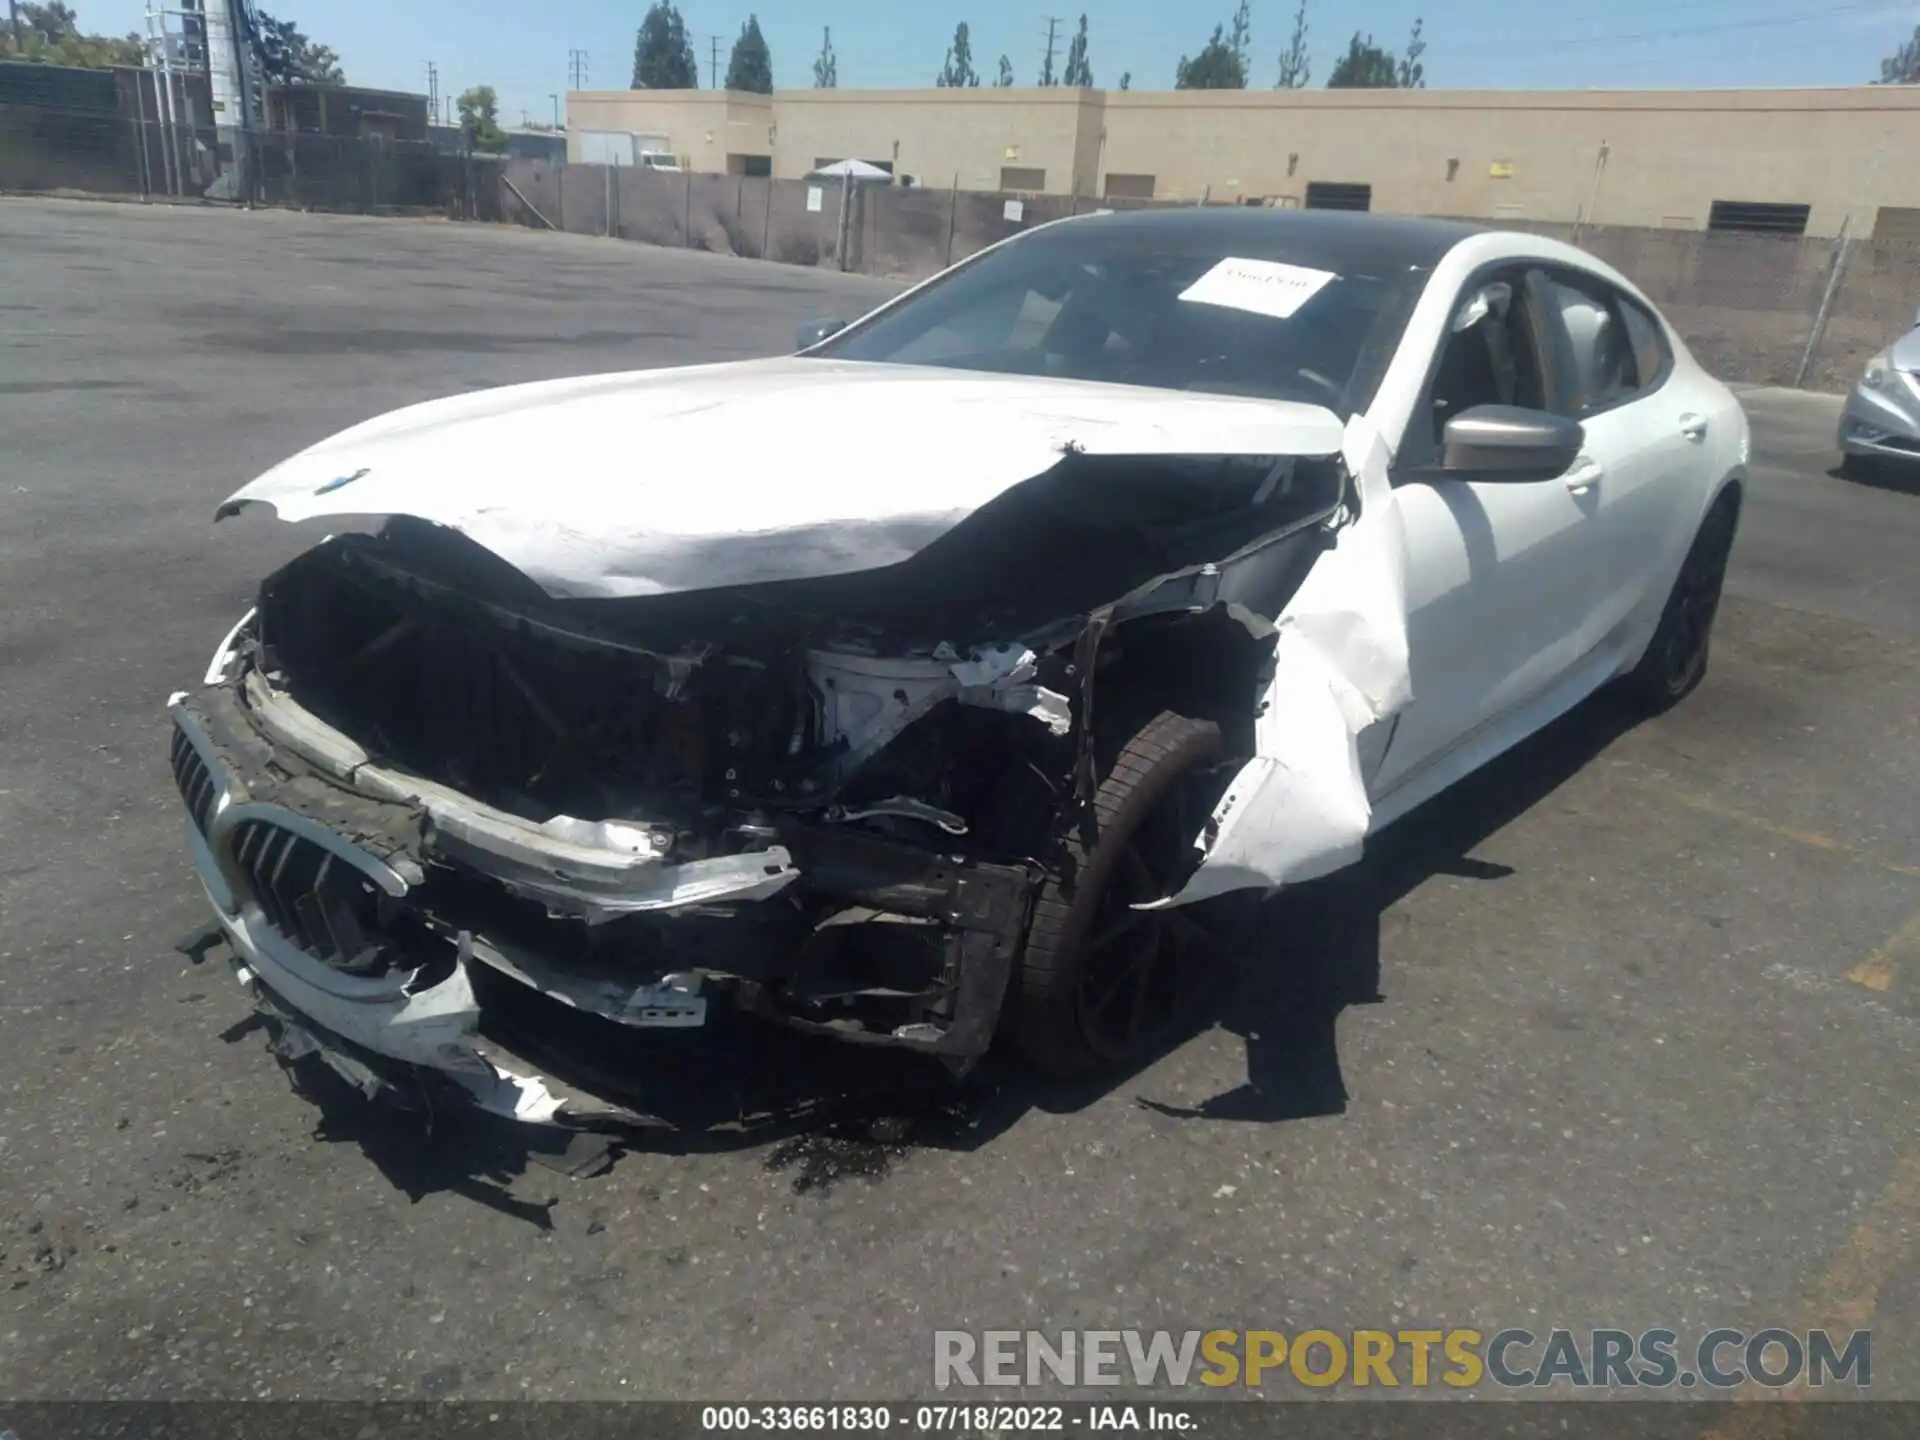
907, 690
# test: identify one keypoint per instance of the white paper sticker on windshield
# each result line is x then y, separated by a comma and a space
1265, 287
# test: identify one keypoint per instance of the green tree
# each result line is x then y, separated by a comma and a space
1296, 67
290, 58
479, 110
1412, 75
1903, 66
50, 35
1126, 80
1079, 71
751, 65
1365, 66
958, 73
1216, 67
826, 68
1005, 82
662, 53
1240, 37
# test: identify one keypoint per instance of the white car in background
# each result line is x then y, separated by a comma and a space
1881, 419
907, 690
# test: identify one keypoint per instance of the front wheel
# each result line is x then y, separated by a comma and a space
1676, 660
1100, 982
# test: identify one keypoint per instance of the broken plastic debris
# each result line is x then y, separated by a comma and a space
532, 1101
1049, 707
991, 663
674, 1001
604, 834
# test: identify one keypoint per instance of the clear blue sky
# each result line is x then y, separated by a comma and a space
521, 46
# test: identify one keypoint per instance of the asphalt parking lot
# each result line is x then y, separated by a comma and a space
1624, 1035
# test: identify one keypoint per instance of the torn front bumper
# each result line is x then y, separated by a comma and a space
330, 880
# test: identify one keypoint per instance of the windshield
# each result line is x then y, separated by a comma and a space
1257, 314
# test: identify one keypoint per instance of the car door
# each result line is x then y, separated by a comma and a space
1500, 574
1646, 437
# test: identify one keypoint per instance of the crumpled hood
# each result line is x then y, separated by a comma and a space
650, 482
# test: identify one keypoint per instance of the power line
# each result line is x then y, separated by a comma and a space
576, 69
1721, 27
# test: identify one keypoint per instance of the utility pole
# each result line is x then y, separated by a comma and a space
556, 110
577, 69
433, 91
1046, 72
713, 64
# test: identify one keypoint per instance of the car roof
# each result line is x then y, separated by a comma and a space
1362, 239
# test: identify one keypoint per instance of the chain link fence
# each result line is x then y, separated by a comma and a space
99, 153
1764, 309
1760, 309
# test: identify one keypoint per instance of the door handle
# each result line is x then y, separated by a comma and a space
1694, 427
1585, 474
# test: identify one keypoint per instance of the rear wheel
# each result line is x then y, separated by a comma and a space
1676, 660
1100, 982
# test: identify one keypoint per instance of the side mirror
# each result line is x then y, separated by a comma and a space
1506, 442
814, 331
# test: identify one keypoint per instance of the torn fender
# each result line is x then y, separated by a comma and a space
1299, 808
692, 479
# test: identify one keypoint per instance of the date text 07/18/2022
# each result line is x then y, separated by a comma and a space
946, 1419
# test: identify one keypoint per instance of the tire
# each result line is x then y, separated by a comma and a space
1148, 791
1676, 658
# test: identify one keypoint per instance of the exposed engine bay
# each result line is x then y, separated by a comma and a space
676, 712
455, 818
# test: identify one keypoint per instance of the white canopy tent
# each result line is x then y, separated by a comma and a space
850, 170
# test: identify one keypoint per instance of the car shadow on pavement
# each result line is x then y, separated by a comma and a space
1880, 475
823, 1112
1312, 950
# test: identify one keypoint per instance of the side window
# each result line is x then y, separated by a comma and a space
1598, 368
1489, 356
1651, 354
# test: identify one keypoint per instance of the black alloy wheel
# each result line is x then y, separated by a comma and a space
1676, 659
1100, 982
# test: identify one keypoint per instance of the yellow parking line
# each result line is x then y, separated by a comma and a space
1844, 1299
1812, 839
1876, 972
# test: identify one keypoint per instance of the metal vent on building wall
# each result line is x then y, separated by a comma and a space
1758, 218
1330, 195
1025, 179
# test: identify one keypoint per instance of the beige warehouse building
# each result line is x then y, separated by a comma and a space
1794, 161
